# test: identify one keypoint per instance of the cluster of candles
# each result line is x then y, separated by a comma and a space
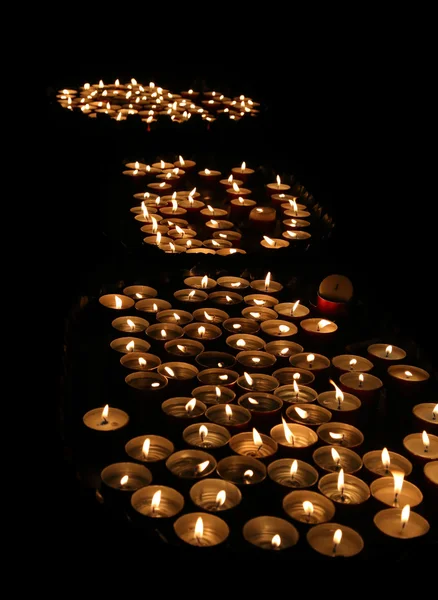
165, 208
268, 424
149, 101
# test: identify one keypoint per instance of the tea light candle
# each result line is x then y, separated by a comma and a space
344, 406
146, 381
245, 341
282, 348
158, 240
295, 224
161, 188
215, 244
267, 285
135, 173
173, 222
146, 196
318, 328
219, 224
209, 176
138, 292
206, 435
206, 332
178, 317
292, 473
385, 354
190, 296
215, 495
225, 298
125, 477
105, 419
129, 344
241, 325
212, 359
210, 315
252, 359
226, 183
407, 378
382, 462
181, 234
363, 385
310, 415
116, 301
426, 415
277, 187
179, 371
295, 393
197, 250
343, 488
297, 214
214, 394
395, 492
157, 501
270, 533
243, 172
253, 444
172, 211
183, 408
218, 376
131, 325
163, 165
342, 434
208, 212
423, 446
169, 177
187, 349
191, 464
261, 404
287, 376
235, 191
241, 470
201, 529
332, 539
332, 459
401, 523
260, 301
430, 471
292, 311
149, 448
260, 314
317, 363
184, 163
140, 361
346, 363
278, 328
204, 283
293, 437
190, 244
191, 205
307, 507
152, 305
257, 382
241, 207
232, 417
163, 332
262, 219
229, 236
233, 283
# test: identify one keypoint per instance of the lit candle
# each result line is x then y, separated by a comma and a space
308, 507
379, 463
236, 191
270, 533
394, 491
106, 419
157, 501
243, 172
201, 529
422, 446
208, 175
277, 187
326, 539
401, 523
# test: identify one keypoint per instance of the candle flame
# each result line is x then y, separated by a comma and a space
361, 377
405, 514
295, 306
435, 412
255, 359
297, 376
227, 298
181, 348
237, 326
248, 473
353, 362
124, 480
86, 86
154, 306
241, 343
158, 238
294, 205
105, 412
398, 481
228, 411
235, 284
287, 432
426, 441
259, 210
146, 447
256, 315
223, 377
201, 330
156, 499
220, 498
154, 225
278, 180
181, 161
176, 316
174, 205
302, 413
337, 537
267, 280
258, 302
243, 167
276, 541
190, 405
252, 401
256, 438
118, 302
203, 432
292, 234
336, 436
162, 164
204, 281
310, 358
101, 83
308, 508
341, 484
388, 350
155, 384
339, 394
179, 230
142, 361
202, 466
241, 200
293, 468
236, 187
192, 294
199, 529
249, 379
170, 371
207, 171
189, 243
296, 388
268, 240
218, 392
386, 461
207, 316
323, 323
163, 333
215, 243
130, 346
336, 456
213, 222
284, 328
408, 374
131, 324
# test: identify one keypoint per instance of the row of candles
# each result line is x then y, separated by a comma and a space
149, 101
163, 209
260, 407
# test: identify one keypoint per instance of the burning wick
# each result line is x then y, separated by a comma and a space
398, 484
218, 393
228, 411
142, 362
190, 405
181, 348
408, 374
258, 442
341, 484
323, 323
308, 509
339, 394
336, 540
386, 461
276, 541
284, 351
361, 378
130, 346
203, 432
337, 436
353, 362
118, 302
201, 331
388, 351
247, 475
405, 515
301, 413
426, 441
199, 530
105, 414
310, 359
220, 499
201, 467
146, 447
296, 390
154, 307
156, 499
293, 469
267, 282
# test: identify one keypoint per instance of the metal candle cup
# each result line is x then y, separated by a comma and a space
190, 464
241, 470
318, 330
126, 345
117, 302
132, 325
289, 394
138, 292
366, 390
214, 530
171, 502
346, 435
301, 442
237, 419
389, 522
200, 283
225, 183
158, 449
181, 413
274, 243
310, 415
239, 342
116, 419
203, 332
187, 297
180, 375
138, 476
216, 244
382, 490
210, 315
152, 306
262, 218
354, 491
347, 363
287, 375
204, 494
218, 376
173, 315
244, 445
270, 533
281, 472
276, 328
266, 287
259, 314
260, 301
346, 459
211, 437
183, 349
373, 464
287, 312
426, 416
320, 365
320, 538
219, 224
228, 300
241, 325
283, 349
322, 509
265, 409
259, 382
255, 360
384, 355
212, 359
140, 361
214, 394
163, 332
408, 380
418, 450
345, 410
241, 207
229, 236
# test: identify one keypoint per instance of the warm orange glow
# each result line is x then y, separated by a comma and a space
181, 348
86, 86
293, 468
204, 281
276, 541
201, 330
118, 302
131, 324
202, 466
203, 432
256, 315
323, 323
267, 280
189, 243
283, 328
162, 164
248, 473
386, 461
223, 377
169, 371
297, 376
259, 210
291, 234
176, 316
145, 210
405, 514
236, 187
336, 456
228, 411
398, 482
241, 343
256, 438
388, 350
146, 447
220, 498
215, 243
361, 378
124, 480
337, 537
301, 412
190, 405
218, 392
287, 432
426, 441
336, 436
268, 240
255, 359
308, 508
341, 484
408, 374
296, 388
142, 362
213, 222
227, 298
207, 316
207, 171
174, 205
101, 83
130, 346
179, 230
353, 362
283, 351
163, 333
199, 529
235, 284
258, 302
105, 412
339, 394
192, 294
156, 499
249, 379
252, 401
154, 306
310, 358
278, 180
243, 166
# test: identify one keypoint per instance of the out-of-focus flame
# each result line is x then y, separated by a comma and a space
323, 323
118, 302
202, 466
223, 377
154, 306
163, 333
130, 346
228, 411
237, 326
207, 316
256, 438
337, 537
236, 187
241, 200
169, 371
386, 460
241, 343
156, 499
256, 315
213, 222
426, 441
146, 446
294, 205
179, 230
158, 238
204, 281
235, 284
252, 401
278, 180
268, 240
228, 298
192, 294
258, 302
408, 374
301, 412
131, 324
215, 243
361, 378
218, 392
154, 225
174, 205
207, 171
297, 376
190, 405
353, 362
341, 483
336, 436
124, 480
405, 514
249, 379
296, 388
287, 432
388, 350
203, 432
267, 280
181, 348
142, 362
308, 508
220, 498
201, 330
248, 473
176, 316
310, 358
276, 541
230, 179
255, 359
283, 328
283, 351
105, 412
